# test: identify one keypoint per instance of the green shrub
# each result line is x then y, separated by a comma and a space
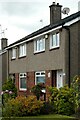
53, 97
37, 90
22, 106
8, 87
47, 108
76, 86
63, 100
66, 101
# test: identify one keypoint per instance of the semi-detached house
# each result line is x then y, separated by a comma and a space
49, 55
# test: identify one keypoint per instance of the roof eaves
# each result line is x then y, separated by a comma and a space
48, 27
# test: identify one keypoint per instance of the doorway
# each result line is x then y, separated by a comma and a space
59, 78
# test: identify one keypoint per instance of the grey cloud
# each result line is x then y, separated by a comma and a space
21, 8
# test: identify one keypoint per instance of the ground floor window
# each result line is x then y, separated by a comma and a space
40, 77
22, 81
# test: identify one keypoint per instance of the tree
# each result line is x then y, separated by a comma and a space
37, 90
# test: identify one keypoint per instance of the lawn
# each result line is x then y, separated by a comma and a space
42, 117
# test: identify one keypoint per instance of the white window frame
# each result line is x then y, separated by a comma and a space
39, 74
39, 45
22, 50
22, 75
55, 40
13, 53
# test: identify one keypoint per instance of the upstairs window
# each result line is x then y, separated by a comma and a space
40, 77
13, 53
22, 81
54, 41
22, 50
39, 45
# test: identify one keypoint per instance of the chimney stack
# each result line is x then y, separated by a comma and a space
55, 12
4, 43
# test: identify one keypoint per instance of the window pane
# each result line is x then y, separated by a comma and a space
54, 40
57, 37
40, 80
22, 50
42, 73
40, 44
13, 53
23, 83
38, 73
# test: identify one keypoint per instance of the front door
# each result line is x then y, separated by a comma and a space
54, 73
59, 78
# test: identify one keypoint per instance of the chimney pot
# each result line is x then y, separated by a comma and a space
57, 3
53, 3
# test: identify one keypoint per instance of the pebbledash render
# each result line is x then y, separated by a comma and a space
49, 55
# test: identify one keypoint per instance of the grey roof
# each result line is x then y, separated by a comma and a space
48, 27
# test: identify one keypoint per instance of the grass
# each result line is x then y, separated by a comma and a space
42, 117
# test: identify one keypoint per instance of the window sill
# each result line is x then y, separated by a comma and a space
22, 90
37, 52
13, 58
53, 48
21, 56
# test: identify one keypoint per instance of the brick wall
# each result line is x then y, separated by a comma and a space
48, 82
31, 82
48, 78
17, 80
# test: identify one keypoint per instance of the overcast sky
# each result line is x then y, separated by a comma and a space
22, 17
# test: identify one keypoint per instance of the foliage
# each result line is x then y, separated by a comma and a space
47, 108
37, 90
76, 86
63, 100
22, 106
66, 101
7, 88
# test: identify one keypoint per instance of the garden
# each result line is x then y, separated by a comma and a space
62, 103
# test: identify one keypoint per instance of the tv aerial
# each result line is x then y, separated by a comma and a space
66, 10
2, 32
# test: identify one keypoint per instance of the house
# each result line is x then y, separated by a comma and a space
49, 55
3, 61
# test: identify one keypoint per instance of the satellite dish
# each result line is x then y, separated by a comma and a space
66, 10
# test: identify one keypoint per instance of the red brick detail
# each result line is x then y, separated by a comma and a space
30, 81
48, 83
48, 78
17, 80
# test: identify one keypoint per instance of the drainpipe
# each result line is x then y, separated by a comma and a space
67, 28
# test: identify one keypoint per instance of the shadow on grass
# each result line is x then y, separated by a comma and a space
24, 118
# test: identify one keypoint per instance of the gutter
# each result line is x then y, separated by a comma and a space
66, 24
32, 38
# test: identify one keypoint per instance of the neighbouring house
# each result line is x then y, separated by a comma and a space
3, 61
49, 55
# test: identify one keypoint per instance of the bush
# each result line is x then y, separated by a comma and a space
53, 97
66, 101
9, 90
63, 100
76, 86
37, 90
22, 106
47, 108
